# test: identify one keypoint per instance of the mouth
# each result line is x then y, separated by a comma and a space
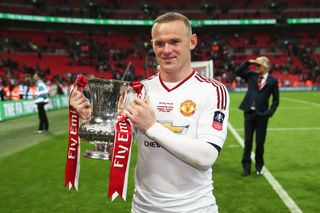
168, 59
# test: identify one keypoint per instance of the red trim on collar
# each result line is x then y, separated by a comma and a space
184, 80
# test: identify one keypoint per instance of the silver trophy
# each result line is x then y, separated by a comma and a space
108, 98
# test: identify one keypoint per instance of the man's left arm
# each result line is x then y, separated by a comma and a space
275, 98
195, 152
200, 152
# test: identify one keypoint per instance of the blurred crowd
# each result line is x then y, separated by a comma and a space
289, 54
20, 86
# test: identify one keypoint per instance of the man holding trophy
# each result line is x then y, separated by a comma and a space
182, 125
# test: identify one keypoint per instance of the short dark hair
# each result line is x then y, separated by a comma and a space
173, 16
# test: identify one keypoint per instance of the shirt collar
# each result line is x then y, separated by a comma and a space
265, 76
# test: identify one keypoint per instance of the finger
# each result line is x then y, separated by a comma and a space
78, 94
78, 102
130, 109
138, 101
121, 103
75, 93
77, 99
83, 106
84, 99
127, 114
87, 105
85, 114
121, 99
147, 100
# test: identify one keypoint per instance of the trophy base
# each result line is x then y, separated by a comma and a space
97, 155
102, 150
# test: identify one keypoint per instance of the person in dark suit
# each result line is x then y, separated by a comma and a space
257, 111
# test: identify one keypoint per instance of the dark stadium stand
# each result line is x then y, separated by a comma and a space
51, 44
140, 9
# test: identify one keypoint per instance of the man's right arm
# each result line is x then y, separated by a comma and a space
243, 69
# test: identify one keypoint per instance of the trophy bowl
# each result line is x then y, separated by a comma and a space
107, 97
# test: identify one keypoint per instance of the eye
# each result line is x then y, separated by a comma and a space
159, 44
174, 42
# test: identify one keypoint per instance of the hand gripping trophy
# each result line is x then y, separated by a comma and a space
106, 129
108, 97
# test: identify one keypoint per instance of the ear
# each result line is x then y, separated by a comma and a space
193, 41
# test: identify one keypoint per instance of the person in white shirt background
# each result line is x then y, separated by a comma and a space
41, 99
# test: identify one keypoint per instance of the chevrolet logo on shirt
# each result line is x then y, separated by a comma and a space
176, 129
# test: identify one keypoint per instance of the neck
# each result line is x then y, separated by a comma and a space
176, 76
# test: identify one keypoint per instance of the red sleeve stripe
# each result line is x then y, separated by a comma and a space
223, 94
226, 95
203, 79
224, 90
220, 89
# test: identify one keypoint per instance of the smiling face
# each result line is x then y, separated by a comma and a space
172, 43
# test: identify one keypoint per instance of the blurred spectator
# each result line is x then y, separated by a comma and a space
42, 98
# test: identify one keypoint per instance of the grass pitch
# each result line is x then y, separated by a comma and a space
32, 166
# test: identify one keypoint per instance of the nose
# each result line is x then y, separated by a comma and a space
167, 48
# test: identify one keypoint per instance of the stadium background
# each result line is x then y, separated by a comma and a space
229, 33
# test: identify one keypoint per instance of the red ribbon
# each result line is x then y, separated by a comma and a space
137, 86
72, 171
119, 168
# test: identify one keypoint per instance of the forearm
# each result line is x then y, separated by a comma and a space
243, 69
194, 152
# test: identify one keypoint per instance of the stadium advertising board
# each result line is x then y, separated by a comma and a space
15, 109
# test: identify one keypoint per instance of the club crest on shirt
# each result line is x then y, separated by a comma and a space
218, 119
187, 108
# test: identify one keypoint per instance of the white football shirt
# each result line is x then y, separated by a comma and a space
197, 107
